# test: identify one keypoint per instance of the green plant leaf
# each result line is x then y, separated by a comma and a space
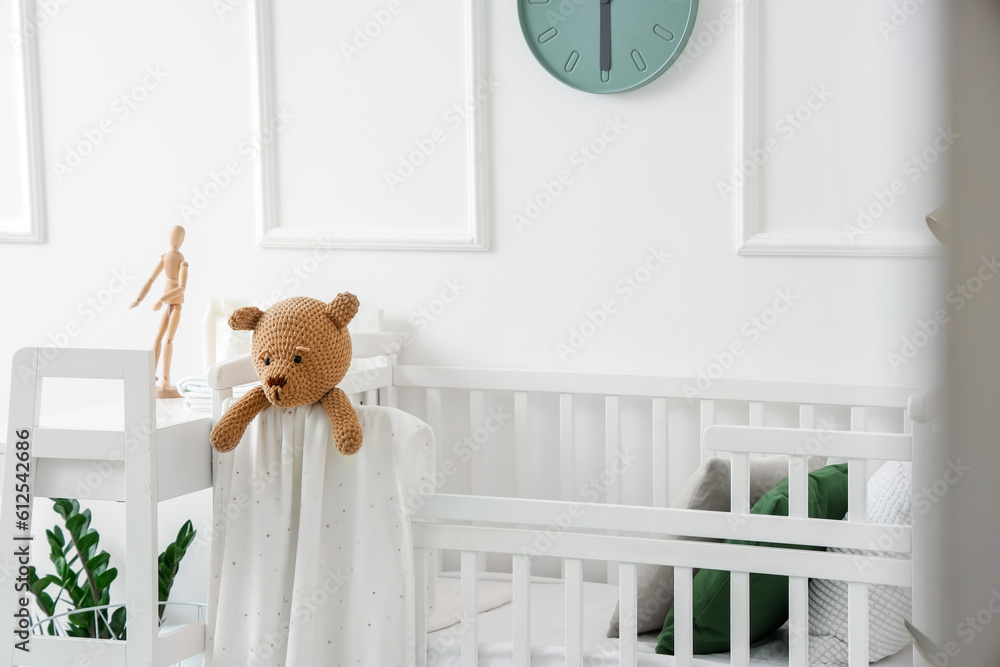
62, 506
117, 622
39, 585
83, 619
104, 579
79, 547
169, 562
75, 524
78, 631
45, 603
56, 539
88, 543
99, 560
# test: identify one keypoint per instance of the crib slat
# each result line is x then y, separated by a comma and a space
612, 463
420, 561
433, 397
857, 483
470, 618
798, 470
857, 512
522, 609
857, 479
756, 417
807, 416
612, 448
798, 487
798, 622
859, 419
707, 419
740, 619
857, 620
628, 644
522, 449
661, 469
740, 497
566, 460
477, 419
389, 395
683, 625
573, 577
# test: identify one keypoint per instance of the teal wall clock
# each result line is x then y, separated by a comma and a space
607, 46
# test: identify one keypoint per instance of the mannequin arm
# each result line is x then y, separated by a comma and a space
228, 431
149, 283
346, 427
182, 280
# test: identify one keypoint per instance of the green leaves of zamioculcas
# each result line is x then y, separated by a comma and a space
83, 579
170, 561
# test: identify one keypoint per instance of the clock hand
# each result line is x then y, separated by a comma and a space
605, 35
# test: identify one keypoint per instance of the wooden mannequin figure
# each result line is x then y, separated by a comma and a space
176, 269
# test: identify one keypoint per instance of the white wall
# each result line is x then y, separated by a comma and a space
654, 187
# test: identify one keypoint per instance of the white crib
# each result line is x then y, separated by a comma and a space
503, 517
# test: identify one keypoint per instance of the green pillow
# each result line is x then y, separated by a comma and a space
768, 592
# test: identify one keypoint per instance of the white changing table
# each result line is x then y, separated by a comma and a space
162, 452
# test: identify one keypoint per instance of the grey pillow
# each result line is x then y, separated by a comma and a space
707, 489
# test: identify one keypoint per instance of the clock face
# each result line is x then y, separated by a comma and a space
607, 46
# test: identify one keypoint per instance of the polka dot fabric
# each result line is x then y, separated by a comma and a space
312, 552
889, 502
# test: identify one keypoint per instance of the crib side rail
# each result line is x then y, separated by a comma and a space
542, 533
662, 523
602, 384
574, 531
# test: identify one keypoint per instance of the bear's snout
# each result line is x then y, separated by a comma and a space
276, 381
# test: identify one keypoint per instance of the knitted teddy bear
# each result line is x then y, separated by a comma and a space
300, 349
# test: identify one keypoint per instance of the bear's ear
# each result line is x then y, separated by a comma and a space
342, 309
245, 319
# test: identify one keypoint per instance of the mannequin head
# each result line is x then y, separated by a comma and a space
176, 237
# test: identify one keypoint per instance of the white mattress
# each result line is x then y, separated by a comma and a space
547, 639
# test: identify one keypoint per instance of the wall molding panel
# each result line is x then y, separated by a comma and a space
752, 234
470, 233
29, 226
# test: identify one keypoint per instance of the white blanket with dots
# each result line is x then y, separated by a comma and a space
312, 550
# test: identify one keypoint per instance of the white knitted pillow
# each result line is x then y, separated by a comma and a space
889, 502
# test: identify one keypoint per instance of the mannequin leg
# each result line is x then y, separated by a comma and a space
159, 338
168, 347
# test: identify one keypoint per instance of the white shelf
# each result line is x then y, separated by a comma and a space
65, 456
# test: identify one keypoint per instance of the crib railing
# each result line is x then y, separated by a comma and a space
620, 535
662, 393
472, 525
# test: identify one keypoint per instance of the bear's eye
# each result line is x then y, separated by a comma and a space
267, 362
297, 359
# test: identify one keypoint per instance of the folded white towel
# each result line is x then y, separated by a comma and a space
198, 395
